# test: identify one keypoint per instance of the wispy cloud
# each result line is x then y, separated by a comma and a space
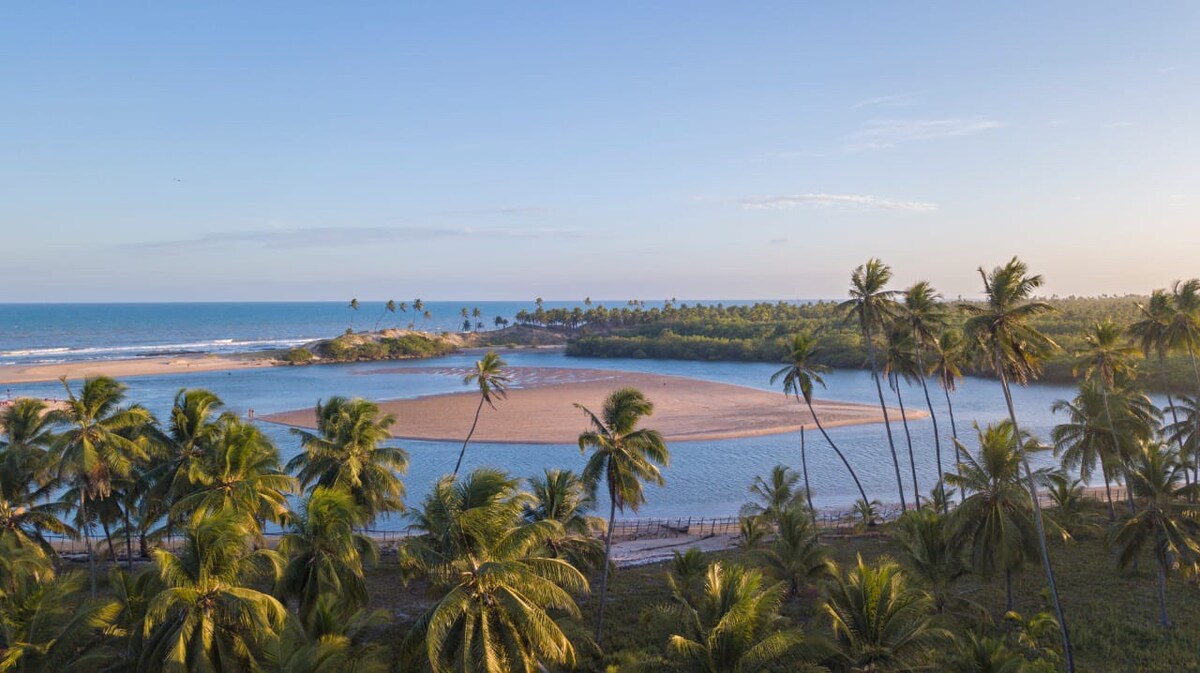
877, 135
895, 100
500, 211
309, 237
833, 201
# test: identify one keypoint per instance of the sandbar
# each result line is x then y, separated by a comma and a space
541, 410
174, 364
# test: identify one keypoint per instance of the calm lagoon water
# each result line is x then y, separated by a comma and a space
705, 478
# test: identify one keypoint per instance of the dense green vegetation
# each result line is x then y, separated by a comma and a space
400, 346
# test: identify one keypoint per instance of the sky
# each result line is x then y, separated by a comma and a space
505, 150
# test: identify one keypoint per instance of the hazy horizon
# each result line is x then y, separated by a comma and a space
283, 152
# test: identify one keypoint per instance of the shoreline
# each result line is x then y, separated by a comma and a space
542, 411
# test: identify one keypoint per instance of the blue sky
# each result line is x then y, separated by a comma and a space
506, 150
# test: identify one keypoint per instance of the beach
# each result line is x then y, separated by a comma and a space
542, 411
175, 364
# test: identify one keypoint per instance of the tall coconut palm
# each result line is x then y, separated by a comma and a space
325, 555
924, 314
492, 379
880, 621
1183, 331
1088, 439
241, 474
732, 625
899, 368
872, 307
1001, 333
346, 453
1152, 334
389, 307
947, 361
996, 521
93, 450
1166, 523
1108, 361
798, 376
494, 587
209, 617
624, 456
353, 306
561, 495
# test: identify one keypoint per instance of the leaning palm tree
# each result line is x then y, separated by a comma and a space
624, 456
209, 617
1108, 361
798, 376
872, 307
1000, 332
924, 315
900, 368
995, 522
345, 453
92, 451
494, 587
389, 307
880, 621
732, 625
1166, 523
561, 495
325, 555
493, 380
353, 306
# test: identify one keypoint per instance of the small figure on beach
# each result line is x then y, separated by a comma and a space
250, 413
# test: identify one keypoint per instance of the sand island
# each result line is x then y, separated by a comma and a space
539, 408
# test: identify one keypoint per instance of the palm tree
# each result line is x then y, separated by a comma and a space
899, 364
732, 625
1185, 428
923, 313
389, 307
492, 379
1152, 333
209, 618
28, 435
775, 495
980, 654
495, 589
1166, 522
1183, 331
353, 306
798, 376
880, 622
1088, 438
23, 526
419, 308
346, 453
872, 307
624, 456
332, 639
1000, 331
325, 555
241, 474
948, 359
561, 495
931, 554
45, 627
403, 306
1108, 361
92, 452
796, 557
995, 521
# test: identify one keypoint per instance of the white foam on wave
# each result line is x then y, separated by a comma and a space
40, 355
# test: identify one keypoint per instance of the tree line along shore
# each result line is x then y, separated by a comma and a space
499, 570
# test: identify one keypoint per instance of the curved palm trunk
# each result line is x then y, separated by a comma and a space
812, 512
886, 422
937, 438
1112, 511
1112, 428
912, 461
954, 434
1043, 547
112, 551
87, 539
1008, 590
1196, 376
128, 541
612, 515
835, 450
463, 451
1166, 384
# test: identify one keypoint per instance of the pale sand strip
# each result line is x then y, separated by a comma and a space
684, 410
173, 364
